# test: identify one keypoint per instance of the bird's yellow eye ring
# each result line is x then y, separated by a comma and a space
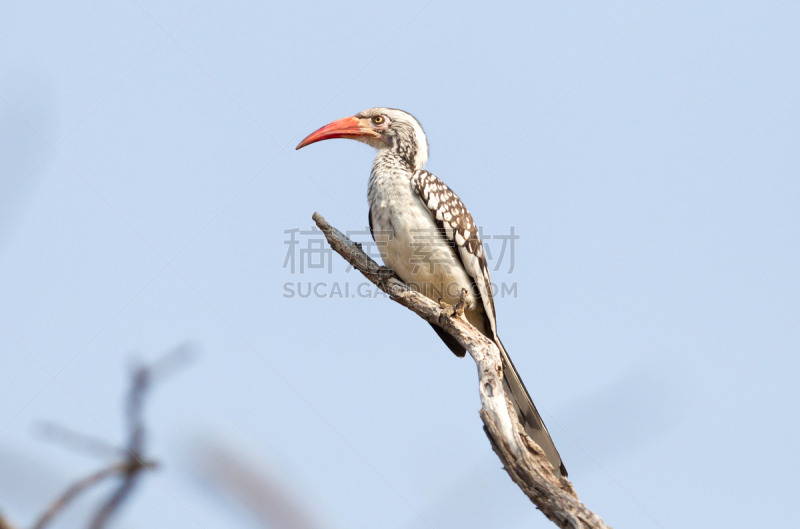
378, 120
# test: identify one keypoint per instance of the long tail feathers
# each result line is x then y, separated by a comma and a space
527, 412
515, 389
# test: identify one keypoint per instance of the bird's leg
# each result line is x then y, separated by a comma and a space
457, 309
462, 302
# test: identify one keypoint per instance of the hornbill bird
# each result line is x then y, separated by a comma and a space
425, 234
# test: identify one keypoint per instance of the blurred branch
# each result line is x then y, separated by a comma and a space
78, 442
81, 485
134, 461
522, 458
228, 470
4, 523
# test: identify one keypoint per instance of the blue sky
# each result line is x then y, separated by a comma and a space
644, 152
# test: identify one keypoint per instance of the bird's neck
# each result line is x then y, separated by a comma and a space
389, 168
389, 181
402, 151
390, 161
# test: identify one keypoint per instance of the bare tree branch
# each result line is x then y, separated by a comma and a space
79, 442
135, 448
134, 461
80, 486
522, 458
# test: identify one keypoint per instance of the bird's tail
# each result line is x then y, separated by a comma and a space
527, 412
515, 389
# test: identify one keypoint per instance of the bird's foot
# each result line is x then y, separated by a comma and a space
444, 305
458, 308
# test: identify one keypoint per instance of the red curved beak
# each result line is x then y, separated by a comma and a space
343, 128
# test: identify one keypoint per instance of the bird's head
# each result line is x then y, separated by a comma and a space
386, 129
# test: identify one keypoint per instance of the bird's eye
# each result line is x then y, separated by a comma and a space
378, 120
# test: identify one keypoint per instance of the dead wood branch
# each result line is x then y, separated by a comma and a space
79, 442
133, 462
80, 486
523, 459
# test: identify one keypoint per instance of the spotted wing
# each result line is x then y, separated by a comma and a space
457, 225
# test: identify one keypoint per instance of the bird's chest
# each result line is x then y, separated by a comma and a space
396, 211
410, 243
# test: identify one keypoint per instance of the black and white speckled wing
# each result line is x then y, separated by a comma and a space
455, 221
